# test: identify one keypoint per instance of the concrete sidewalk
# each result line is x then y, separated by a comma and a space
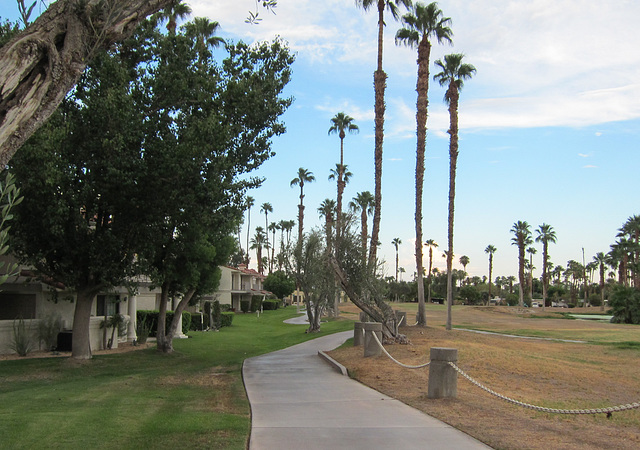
299, 401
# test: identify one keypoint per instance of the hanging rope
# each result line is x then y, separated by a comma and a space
606, 411
406, 366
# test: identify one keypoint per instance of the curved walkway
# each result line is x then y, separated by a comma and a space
299, 401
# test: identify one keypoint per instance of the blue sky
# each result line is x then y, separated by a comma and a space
549, 127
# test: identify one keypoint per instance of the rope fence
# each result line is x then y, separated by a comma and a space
608, 411
406, 366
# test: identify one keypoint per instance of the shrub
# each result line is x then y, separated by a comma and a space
48, 329
244, 306
270, 304
151, 317
21, 342
143, 328
625, 305
226, 318
595, 300
512, 299
216, 315
256, 303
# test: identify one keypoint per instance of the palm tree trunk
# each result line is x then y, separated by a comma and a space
452, 95
379, 84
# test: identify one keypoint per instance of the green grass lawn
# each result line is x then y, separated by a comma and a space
193, 398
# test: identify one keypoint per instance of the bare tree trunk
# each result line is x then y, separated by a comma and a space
81, 342
167, 346
162, 317
40, 65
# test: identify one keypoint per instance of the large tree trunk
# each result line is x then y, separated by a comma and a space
452, 95
162, 317
40, 65
379, 85
422, 104
167, 341
81, 343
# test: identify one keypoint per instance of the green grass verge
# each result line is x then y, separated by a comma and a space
193, 398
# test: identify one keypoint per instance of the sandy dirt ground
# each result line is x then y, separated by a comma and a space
553, 374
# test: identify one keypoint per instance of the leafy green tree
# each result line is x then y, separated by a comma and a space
280, 284
80, 224
421, 24
340, 124
522, 237
453, 74
379, 85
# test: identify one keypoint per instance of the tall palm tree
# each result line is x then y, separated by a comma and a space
204, 32
265, 209
453, 73
175, 11
545, 235
363, 203
379, 85
304, 176
421, 24
340, 124
490, 250
522, 238
630, 231
341, 171
431, 244
248, 203
257, 243
464, 260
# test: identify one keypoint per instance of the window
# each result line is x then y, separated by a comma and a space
108, 305
14, 306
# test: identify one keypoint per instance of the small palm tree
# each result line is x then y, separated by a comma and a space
545, 235
340, 124
266, 208
396, 242
532, 251
453, 73
273, 227
175, 11
522, 238
431, 244
304, 176
363, 203
379, 85
490, 250
327, 209
257, 243
204, 32
601, 260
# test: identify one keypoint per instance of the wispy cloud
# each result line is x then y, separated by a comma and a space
589, 167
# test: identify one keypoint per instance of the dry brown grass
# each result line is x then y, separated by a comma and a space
547, 373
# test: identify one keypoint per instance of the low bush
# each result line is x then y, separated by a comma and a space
151, 318
270, 304
625, 305
21, 342
47, 331
244, 306
226, 318
256, 303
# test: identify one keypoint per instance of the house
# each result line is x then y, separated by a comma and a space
239, 284
34, 299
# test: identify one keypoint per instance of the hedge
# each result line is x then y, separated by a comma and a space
151, 320
270, 304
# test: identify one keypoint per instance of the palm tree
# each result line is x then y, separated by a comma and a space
630, 231
422, 23
532, 251
304, 176
363, 203
203, 31
175, 11
522, 238
490, 250
257, 243
340, 124
396, 242
327, 209
464, 260
431, 244
248, 203
453, 74
273, 227
545, 235
266, 208
379, 85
